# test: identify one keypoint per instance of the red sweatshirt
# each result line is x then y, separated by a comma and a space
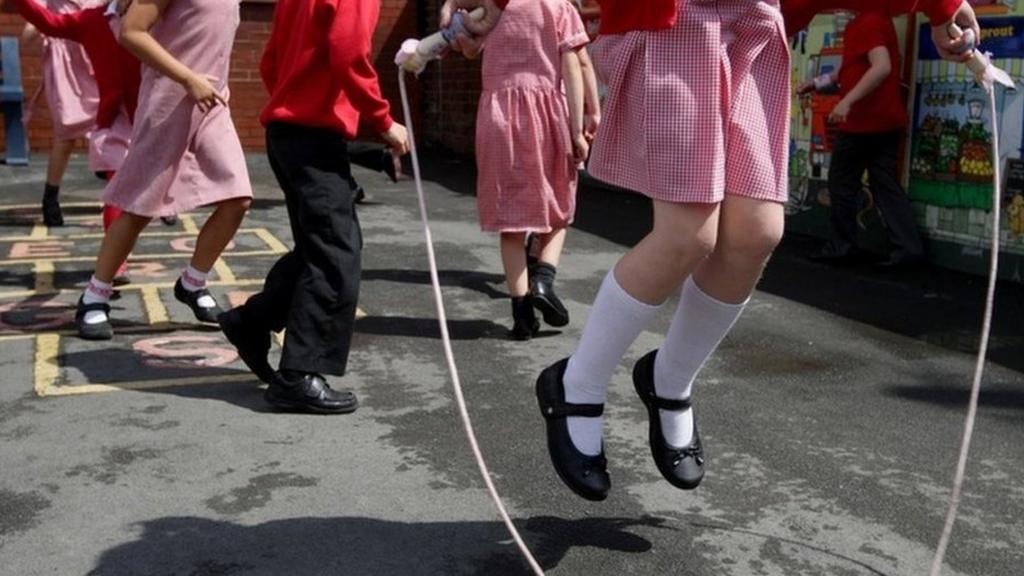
618, 16
317, 66
118, 72
798, 13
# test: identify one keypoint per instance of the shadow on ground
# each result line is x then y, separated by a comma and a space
343, 545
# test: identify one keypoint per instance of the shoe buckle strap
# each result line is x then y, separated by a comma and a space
670, 404
580, 410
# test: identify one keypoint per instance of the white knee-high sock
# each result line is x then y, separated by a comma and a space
615, 320
699, 325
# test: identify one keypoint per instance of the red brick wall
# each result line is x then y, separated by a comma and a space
398, 21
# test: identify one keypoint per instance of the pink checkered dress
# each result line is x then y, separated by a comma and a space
700, 110
527, 175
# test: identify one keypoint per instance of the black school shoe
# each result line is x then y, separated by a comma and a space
191, 299
252, 343
52, 215
682, 467
543, 297
311, 393
585, 475
98, 331
524, 322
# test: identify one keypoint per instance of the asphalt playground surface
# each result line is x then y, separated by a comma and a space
831, 414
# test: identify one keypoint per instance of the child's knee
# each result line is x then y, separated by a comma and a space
237, 206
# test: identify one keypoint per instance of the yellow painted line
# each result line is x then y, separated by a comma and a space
155, 309
176, 255
271, 241
189, 224
360, 313
39, 232
46, 368
130, 287
71, 390
279, 337
10, 207
43, 271
100, 235
224, 273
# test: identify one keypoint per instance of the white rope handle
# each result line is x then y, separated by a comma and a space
446, 340
979, 367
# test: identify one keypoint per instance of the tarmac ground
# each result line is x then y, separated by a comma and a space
831, 414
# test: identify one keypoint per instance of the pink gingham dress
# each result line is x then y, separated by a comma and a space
526, 173
71, 92
181, 158
700, 110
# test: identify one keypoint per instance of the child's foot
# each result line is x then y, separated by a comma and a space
93, 320
524, 321
52, 215
169, 220
200, 301
542, 294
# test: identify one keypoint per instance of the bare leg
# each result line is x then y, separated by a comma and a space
218, 230
683, 235
118, 244
513, 258
748, 233
60, 154
551, 246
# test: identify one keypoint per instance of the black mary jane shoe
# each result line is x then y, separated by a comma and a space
524, 322
585, 475
682, 467
543, 296
310, 393
191, 299
98, 331
252, 343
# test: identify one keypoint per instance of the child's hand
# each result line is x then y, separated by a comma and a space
200, 88
839, 113
591, 122
397, 139
469, 46
580, 148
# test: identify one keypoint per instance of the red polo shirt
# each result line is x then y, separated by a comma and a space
798, 13
317, 66
882, 110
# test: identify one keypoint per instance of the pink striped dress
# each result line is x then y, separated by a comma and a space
526, 173
71, 92
180, 158
700, 110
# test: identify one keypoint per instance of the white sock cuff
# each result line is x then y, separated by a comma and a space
615, 290
691, 290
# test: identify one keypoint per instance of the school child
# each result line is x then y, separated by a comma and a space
117, 79
717, 216
322, 84
184, 153
529, 140
72, 98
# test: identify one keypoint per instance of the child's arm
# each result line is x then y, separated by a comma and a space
591, 98
135, 37
572, 75
881, 67
49, 23
349, 44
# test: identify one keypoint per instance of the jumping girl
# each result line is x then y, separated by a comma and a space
185, 152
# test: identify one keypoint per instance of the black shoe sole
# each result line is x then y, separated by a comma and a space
95, 332
299, 406
552, 316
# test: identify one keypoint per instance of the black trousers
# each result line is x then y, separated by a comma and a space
852, 154
312, 290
